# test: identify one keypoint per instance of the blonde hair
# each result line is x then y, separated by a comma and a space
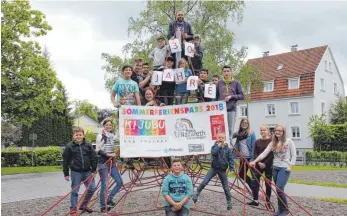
78, 129
182, 60
277, 144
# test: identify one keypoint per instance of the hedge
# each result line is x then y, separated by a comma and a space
327, 157
48, 156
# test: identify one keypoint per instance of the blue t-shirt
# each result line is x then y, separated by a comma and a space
180, 26
182, 87
177, 188
126, 90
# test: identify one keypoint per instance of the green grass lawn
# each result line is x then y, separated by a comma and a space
20, 170
334, 200
326, 184
312, 168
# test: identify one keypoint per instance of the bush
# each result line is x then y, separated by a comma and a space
326, 157
22, 158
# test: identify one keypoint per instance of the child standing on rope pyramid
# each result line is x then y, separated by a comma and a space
81, 158
222, 157
177, 190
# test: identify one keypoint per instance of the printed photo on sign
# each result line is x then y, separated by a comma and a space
169, 75
189, 49
175, 46
192, 82
217, 125
157, 77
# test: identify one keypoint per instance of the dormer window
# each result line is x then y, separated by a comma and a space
293, 83
269, 86
279, 67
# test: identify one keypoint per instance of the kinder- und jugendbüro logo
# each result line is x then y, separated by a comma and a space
184, 129
144, 127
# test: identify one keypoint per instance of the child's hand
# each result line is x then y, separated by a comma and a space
227, 98
111, 154
67, 178
251, 164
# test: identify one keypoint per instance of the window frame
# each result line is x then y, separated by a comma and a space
268, 82
267, 110
292, 79
298, 130
290, 108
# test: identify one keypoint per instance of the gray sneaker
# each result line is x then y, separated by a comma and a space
284, 213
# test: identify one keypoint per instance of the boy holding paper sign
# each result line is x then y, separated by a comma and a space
181, 82
167, 88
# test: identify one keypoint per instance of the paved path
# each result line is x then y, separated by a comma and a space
39, 185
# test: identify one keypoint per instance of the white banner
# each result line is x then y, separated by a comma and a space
180, 130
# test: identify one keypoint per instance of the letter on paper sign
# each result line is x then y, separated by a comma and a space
175, 46
180, 76
157, 78
192, 83
169, 75
210, 91
189, 49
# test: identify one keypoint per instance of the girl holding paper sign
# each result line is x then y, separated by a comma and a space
181, 77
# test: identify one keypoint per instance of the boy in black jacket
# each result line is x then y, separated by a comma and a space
81, 158
221, 158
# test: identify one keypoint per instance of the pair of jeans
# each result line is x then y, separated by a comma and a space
244, 170
103, 172
281, 176
181, 98
256, 179
76, 179
222, 175
231, 122
166, 97
182, 212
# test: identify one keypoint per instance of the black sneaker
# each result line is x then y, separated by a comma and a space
253, 203
86, 209
230, 206
111, 203
195, 199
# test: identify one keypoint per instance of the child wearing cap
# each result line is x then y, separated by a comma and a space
159, 53
167, 89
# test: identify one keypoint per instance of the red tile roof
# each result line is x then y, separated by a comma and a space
301, 63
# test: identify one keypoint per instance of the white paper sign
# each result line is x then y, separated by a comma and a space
192, 82
210, 91
180, 76
189, 49
169, 75
175, 46
147, 131
157, 78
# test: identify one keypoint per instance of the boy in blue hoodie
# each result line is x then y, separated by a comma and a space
177, 190
221, 158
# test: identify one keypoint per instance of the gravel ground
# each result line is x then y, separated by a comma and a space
140, 200
334, 176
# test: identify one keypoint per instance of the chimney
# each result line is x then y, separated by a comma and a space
266, 53
294, 48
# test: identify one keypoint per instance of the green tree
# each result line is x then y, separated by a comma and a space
208, 19
84, 107
90, 137
338, 111
27, 79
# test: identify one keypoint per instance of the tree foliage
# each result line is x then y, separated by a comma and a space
90, 137
84, 107
10, 134
338, 111
209, 20
27, 80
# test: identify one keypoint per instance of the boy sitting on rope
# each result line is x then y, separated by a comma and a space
221, 158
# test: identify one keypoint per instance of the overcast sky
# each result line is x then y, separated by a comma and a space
83, 30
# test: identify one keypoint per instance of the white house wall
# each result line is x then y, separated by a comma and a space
257, 116
330, 76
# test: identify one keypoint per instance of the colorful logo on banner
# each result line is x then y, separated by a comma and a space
144, 127
217, 125
184, 129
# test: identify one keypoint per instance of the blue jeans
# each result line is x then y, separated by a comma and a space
231, 122
181, 98
281, 176
103, 172
222, 175
182, 212
76, 179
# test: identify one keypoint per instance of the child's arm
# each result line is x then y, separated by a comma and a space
93, 158
253, 139
231, 160
214, 150
138, 100
66, 161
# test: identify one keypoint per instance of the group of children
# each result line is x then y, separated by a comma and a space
275, 156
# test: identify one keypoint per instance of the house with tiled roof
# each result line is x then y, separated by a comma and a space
298, 84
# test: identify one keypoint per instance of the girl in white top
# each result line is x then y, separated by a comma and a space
284, 159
